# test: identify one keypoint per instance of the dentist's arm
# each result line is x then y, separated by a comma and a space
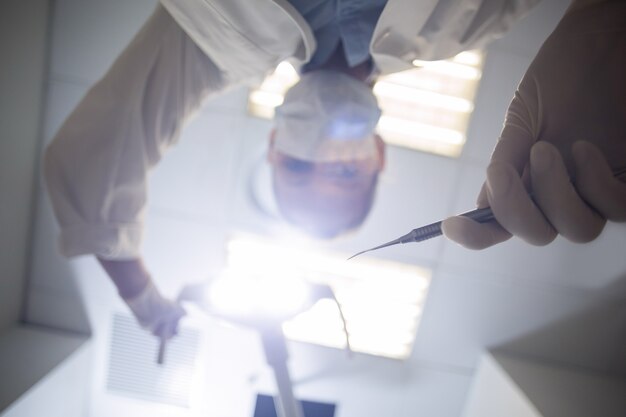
96, 168
153, 312
129, 276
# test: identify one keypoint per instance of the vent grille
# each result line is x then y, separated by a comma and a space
133, 371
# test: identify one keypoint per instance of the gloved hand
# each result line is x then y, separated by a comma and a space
156, 313
563, 136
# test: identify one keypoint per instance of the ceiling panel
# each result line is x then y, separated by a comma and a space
466, 313
88, 35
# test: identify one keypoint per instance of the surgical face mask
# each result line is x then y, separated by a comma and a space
327, 117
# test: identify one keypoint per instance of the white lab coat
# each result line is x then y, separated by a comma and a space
272, 30
96, 167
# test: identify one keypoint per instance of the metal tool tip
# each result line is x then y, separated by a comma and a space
359, 253
384, 245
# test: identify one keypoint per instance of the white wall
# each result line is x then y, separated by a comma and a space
34, 364
494, 393
558, 391
29, 357
593, 340
514, 386
63, 390
23, 36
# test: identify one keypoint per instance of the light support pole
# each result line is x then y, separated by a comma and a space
276, 354
272, 338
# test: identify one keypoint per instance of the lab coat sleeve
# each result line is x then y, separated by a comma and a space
97, 165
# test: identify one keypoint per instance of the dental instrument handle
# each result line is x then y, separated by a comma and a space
161, 353
432, 230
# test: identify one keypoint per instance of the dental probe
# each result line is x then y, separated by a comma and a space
432, 230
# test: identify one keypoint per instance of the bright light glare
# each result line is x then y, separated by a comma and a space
243, 294
414, 95
266, 98
402, 126
472, 58
381, 300
321, 323
286, 70
450, 68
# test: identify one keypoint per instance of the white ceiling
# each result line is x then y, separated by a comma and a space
197, 197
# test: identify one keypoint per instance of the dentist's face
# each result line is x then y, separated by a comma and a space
325, 199
324, 153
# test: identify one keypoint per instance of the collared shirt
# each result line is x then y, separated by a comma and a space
351, 22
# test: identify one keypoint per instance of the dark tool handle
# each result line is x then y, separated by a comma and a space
434, 229
481, 215
161, 354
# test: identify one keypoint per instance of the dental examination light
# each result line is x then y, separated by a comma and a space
276, 298
264, 304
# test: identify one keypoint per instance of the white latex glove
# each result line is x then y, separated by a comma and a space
564, 135
156, 313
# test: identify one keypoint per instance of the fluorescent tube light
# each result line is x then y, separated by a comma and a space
425, 109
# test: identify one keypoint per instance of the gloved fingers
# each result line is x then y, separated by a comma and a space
155, 313
482, 201
596, 184
526, 180
167, 325
513, 148
166, 330
557, 198
513, 207
473, 235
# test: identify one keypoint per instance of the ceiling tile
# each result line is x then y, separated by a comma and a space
88, 36
466, 313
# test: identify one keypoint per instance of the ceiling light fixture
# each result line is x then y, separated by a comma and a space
425, 109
